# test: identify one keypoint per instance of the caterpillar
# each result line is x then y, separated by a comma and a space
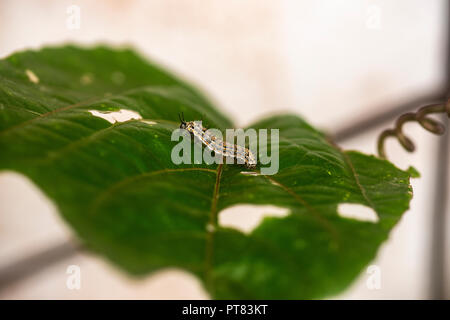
217, 145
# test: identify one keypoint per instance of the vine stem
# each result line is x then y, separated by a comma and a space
420, 116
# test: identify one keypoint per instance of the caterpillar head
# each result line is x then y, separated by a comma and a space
183, 123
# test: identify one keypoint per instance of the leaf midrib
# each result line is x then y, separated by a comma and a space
210, 233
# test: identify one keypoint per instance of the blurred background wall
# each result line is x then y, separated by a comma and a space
333, 62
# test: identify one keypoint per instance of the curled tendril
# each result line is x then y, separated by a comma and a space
421, 117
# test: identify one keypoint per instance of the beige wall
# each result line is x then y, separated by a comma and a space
330, 61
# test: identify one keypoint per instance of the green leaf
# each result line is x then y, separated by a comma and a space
116, 186
413, 173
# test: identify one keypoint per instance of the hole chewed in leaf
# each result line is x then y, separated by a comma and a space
246, 218
32, 76
116, 116
357, 212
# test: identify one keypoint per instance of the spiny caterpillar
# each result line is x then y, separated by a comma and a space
242, 154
